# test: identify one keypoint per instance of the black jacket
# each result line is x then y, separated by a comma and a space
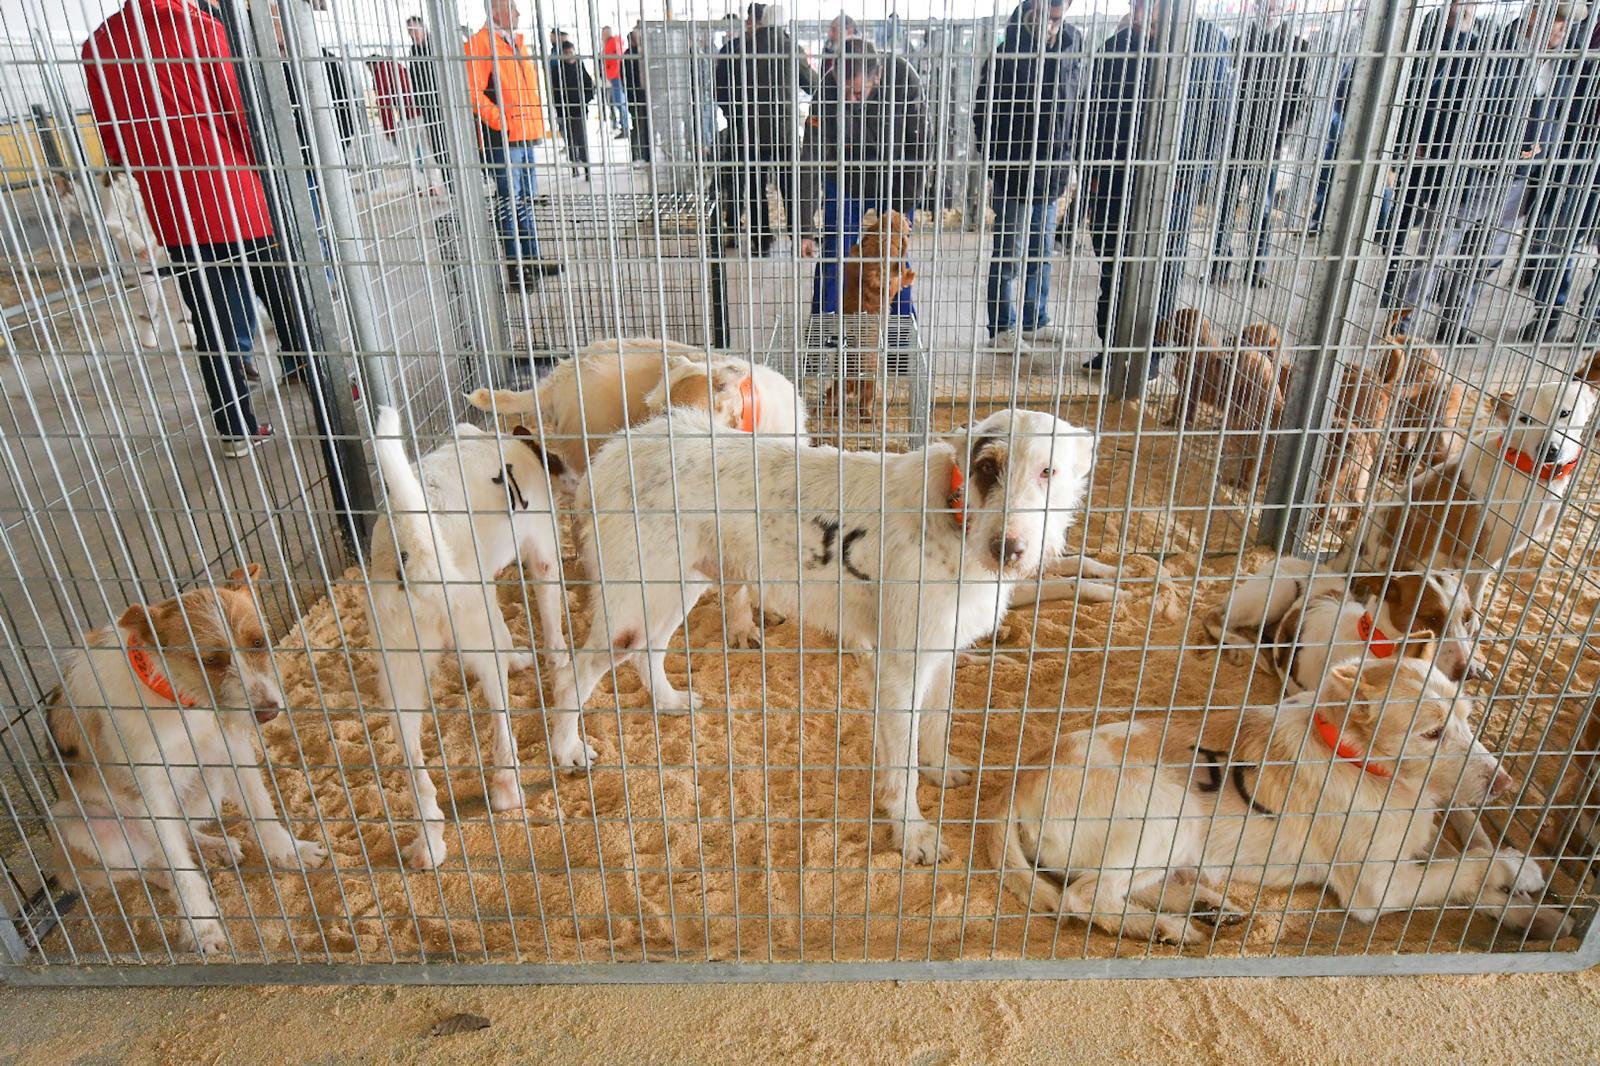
1272, 90
573, 87
633, 76
875, 149
1481, 108
758, 79
1025, 109
424, 79
1121, 77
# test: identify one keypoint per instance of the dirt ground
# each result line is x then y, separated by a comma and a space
1548, 1018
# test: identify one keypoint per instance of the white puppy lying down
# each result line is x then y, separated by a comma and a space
1136, 826
914, 555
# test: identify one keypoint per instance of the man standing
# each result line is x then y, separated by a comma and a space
167, 105
1122, 97
1023, 118
1491, 117
840, 30
503, 82
1272, 92
758, 79
634, 82
573, 89
612, 47
425, 89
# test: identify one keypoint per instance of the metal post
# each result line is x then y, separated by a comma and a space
1355, 193
270, 102
473, 270
372, 341
1152, 187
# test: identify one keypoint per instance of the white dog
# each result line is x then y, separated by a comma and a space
1480, 510
1314, 619
915, 555
1131, 825
480, 504
148, 754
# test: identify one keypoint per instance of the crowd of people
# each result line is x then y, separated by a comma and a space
1500, 130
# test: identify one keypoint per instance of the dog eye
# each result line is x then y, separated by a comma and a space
1047, 473
1434, 734
1566, 414
1525, 419
218, 658
259, 643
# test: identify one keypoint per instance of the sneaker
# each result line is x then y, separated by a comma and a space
1451, 332
1008, 342
1095, 365
1542, 328
239, 447
1046, 334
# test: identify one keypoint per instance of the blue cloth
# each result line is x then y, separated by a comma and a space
516, 184
619, 104
841, 229
1024, 238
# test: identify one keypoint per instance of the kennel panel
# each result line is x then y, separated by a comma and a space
742, 840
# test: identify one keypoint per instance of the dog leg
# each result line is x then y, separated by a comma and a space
428, 850
176, 859
221, 850
743, 626
666, 619
244, 782
479, 626
1106, 899
938, 765
896, 758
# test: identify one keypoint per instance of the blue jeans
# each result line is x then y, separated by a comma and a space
619, 105
516, 184
1021, 223
1330, 149
219, 284
1258, 181
841, 229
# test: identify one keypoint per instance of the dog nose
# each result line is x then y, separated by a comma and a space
266, 714
1552, 454
1006, 550
1458, 671
1501, 785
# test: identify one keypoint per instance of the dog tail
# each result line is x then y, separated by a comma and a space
505, 401
1020, 873
423, 553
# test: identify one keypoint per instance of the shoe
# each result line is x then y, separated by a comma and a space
621, 136
1589, 334
1096, 365
1453, 332
1542, 328
1221, 273
1008, 342
239, 447
1258, 280
299, 374
251, 373
1046, 334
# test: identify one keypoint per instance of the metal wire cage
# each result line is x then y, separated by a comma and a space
1302, 275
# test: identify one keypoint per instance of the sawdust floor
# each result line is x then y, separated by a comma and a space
1544, 1018
740, 832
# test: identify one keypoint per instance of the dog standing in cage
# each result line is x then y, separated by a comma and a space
914, 556
1133, 826
481, 503
153, 728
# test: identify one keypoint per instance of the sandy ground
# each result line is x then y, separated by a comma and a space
1536, 1018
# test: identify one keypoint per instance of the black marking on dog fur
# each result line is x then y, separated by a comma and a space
508, 478
1213, 768
549, 460
830, 532
844, 554
400, 571
986, 469
1238, 784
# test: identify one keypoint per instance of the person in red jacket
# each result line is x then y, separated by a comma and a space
613, 47
167, 104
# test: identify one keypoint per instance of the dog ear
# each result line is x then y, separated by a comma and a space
138, 622
1504, 406
1590, 374
1083, 453
547, 459
244, 576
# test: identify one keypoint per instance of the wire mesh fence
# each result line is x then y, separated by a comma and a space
1047, 491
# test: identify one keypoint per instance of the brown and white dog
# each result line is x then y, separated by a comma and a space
621, 382
1310, 619
1134, 826
153, 726
1503, 493
875, 271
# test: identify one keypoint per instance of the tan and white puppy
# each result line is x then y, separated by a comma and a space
617, 383
1310, 622
153, 726
1484, 508
479, 504
1135, 826
915, 555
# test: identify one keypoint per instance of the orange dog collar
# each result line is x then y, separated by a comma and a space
1330, 736
957, 498
154, 679
752, 404
1377, 641
1527, 464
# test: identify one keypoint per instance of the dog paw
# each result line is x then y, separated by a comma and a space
309, 854
427, 851
207, 937
518, 661
572, 754
676, 701
1516, 874
744, 633
953, 774
920, 844
506, 794
222, 850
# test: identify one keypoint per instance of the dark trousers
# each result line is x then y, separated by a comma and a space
639, 133
1107, 213
220, 284
745, 182
576, 133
